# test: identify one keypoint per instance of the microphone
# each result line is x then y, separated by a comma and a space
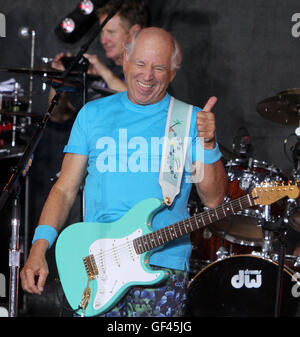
74, 25
25, 32
242, 142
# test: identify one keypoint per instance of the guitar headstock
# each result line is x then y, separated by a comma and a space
267, 195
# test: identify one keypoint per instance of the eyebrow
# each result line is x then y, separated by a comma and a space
163, 66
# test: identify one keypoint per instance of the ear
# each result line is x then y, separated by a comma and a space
172, 75
134, 29
125, 62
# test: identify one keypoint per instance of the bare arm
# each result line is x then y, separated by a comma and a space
54, 213
212, 184
100, 69
211, 179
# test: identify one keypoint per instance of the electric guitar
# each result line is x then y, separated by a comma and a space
98, 262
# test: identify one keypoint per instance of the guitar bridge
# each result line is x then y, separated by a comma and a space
90, 267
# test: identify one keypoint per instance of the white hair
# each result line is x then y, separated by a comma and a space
176, 58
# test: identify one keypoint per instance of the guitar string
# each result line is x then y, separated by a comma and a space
204, 216
201, 216
110, 254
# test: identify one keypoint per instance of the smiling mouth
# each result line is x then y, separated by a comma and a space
143, 85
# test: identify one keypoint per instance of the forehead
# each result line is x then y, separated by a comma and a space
115, 23
155, 50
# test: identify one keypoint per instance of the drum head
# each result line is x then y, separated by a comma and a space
242, 229
241, 286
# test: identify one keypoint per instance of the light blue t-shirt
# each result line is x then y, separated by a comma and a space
122, 142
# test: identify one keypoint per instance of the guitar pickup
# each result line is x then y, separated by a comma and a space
90, 267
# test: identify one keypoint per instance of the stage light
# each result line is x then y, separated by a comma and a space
74, 25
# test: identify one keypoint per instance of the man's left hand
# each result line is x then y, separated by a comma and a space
206, 124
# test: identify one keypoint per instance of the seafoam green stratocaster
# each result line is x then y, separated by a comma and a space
99, 262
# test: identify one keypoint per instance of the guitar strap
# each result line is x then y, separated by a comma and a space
174, 148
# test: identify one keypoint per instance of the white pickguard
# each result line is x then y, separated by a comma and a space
118, 266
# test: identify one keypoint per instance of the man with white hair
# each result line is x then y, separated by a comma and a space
112, 138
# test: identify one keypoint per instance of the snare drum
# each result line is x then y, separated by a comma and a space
244, 227
242, 286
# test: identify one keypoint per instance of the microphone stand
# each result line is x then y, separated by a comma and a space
280, 230
23, 167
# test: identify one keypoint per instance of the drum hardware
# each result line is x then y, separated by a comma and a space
222, 253
277, 228
12, 188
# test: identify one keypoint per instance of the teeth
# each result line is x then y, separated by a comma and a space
144, 85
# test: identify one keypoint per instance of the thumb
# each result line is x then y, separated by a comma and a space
210, 103
42, 280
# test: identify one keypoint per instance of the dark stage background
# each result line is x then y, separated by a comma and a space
240, 51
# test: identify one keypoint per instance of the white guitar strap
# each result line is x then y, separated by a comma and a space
174, 148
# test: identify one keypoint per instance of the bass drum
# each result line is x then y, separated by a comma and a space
242, 286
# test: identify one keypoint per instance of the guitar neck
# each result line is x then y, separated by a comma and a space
157, 238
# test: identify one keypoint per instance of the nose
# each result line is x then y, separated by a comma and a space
103, 38
148, 73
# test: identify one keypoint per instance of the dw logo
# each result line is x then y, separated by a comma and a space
244, 279
2, 25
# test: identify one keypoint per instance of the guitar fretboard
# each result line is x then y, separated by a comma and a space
157, 238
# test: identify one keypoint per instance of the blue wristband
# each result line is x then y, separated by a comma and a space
45, 232
213, 155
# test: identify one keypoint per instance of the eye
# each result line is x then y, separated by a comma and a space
160, 68
139, 64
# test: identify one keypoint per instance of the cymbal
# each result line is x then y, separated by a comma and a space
35, 71
18, 113
44, 69
284, 108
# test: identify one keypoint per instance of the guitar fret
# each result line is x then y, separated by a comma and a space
195, 221
191, 224
141, 247
212, 215
209, 217
146, 244
180, 229
216, 214
171, 230
241, 206
236, 207
223, 209
202, 219
166, 237
152, 240
160, 237
250, 200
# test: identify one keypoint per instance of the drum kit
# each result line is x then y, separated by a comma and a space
239, 266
